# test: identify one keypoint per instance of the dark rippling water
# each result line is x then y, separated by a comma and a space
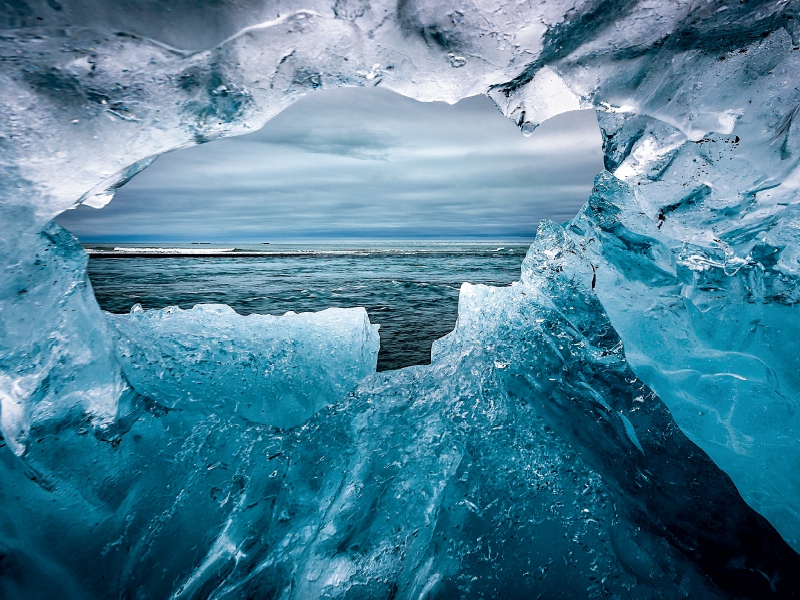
410, 289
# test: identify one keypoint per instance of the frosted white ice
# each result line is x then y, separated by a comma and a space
545, 96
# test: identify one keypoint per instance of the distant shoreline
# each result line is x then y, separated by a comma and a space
187, 254
371, 253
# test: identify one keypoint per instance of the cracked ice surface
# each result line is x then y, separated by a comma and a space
536, 455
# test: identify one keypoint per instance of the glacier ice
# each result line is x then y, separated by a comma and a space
561, 442
273, 370
526, 459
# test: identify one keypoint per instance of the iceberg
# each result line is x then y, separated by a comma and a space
621, 422
273, 370
528, 446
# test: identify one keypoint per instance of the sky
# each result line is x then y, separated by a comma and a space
359, 163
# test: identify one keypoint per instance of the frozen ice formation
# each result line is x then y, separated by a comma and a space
57, 352
710, 327
273, 370
526, 459
561, 442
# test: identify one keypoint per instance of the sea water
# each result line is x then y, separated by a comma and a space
410, 289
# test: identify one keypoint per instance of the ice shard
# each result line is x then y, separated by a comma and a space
273, 370
710, 331
561, 442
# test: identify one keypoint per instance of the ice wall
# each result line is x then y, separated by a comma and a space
57, 354
688, 247
710, 326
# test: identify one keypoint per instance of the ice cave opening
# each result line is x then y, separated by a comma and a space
621, 422
368, 199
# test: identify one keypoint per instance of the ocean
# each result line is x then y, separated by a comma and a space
410, 289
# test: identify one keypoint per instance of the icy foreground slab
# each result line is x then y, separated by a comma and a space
526, 459
272, 370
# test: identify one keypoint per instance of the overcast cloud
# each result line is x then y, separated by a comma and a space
360, 163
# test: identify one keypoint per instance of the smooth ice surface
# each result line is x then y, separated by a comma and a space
471, 477
273, 370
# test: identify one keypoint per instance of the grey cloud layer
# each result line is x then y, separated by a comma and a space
360, 163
